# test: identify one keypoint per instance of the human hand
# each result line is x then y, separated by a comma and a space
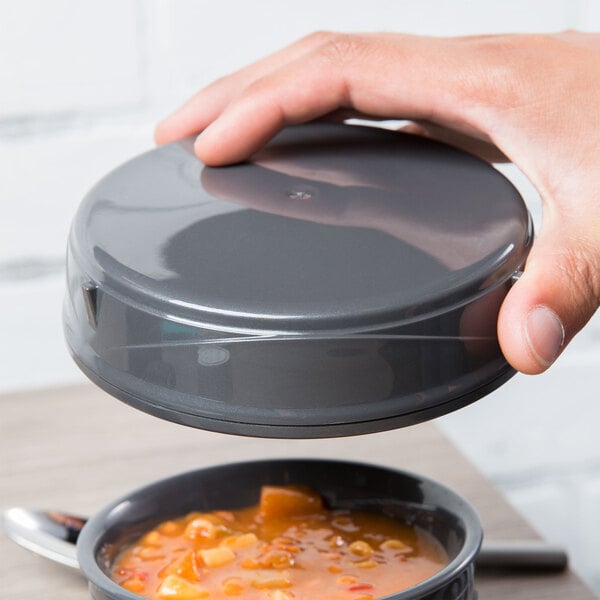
535, 98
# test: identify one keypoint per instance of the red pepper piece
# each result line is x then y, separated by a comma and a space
134, 574
359, 587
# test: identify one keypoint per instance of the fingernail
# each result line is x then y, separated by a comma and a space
201, 137
207, 131
198, 142
545, 334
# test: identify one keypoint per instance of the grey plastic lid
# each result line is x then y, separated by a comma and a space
347, 279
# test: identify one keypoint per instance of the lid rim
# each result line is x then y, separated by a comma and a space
257, 325
356, 311
295, 431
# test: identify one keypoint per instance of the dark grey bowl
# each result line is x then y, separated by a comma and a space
420, 501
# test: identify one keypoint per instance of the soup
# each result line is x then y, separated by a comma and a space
288, 547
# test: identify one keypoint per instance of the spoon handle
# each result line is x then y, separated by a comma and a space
515, 555
49, 534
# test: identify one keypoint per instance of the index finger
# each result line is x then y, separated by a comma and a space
383, 75
205, 106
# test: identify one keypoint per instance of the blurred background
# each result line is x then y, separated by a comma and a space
82, 85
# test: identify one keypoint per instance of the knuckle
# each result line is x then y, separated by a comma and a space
511, 69
318, 38
222, 81
257, 87
342, 48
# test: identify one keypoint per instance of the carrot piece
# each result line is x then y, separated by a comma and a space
134, 585
288, 501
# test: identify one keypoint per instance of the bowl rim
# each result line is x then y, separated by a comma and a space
94, 529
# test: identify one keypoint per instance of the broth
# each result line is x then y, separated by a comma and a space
288, 547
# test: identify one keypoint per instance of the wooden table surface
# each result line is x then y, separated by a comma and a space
76, 449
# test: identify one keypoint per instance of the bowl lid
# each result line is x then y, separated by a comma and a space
345, 279
330, 227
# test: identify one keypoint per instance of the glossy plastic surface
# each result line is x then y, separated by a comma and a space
345, 280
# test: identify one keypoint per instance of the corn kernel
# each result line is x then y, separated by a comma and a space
277, 560
392, 544
347, 580
280, 595
250, 563
366, 564
334, 569
216, 557
360, 548
233, 586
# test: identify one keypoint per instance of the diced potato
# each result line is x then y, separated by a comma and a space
176, 588
271, 582
216, 557
277, 502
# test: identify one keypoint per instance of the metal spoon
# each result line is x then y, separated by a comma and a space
49, 534
54, 535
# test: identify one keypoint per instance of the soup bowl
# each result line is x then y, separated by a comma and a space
408, 497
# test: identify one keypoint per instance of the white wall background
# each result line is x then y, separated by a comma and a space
81, 86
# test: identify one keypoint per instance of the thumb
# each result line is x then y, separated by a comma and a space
557, 294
